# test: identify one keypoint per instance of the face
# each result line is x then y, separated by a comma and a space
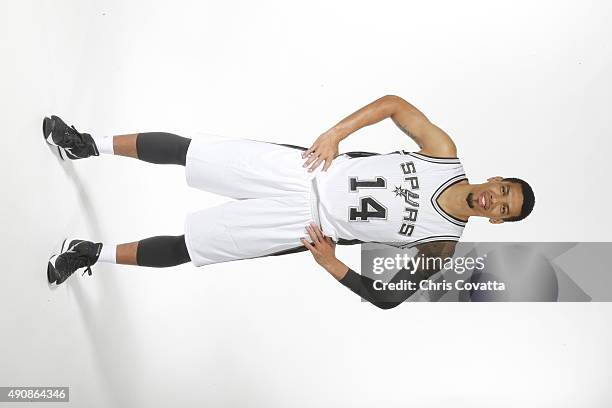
496, 199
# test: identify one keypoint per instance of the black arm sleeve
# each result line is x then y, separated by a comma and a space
364, 287
386, 298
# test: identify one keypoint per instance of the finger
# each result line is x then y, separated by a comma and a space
328, 163
307, 245
313, 235
308, 151
315, 165
311, 150
314, 156
318, 232
330, 242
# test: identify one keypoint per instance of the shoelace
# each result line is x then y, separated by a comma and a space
88, 269
80, 142
78, 262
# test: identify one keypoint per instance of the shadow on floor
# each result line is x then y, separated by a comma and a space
107, 321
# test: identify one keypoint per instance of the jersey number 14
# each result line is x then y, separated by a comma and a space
369, 208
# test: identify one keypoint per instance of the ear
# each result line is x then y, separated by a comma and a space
496, 178
496, 221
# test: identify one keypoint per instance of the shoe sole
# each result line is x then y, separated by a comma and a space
47, 130
51, 272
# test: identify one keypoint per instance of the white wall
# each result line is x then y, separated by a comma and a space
523, 87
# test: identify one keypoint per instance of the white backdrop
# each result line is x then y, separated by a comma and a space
523, 87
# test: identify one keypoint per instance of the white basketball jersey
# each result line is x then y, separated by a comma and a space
388, 198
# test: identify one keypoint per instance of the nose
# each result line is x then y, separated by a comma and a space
494, 199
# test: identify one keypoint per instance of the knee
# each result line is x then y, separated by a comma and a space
162, 251
180, 250
162, 148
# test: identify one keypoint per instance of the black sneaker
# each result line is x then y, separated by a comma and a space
70, 143
73, 255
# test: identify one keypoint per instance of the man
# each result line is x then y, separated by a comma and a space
403, 199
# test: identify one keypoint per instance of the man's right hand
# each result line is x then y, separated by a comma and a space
323, 249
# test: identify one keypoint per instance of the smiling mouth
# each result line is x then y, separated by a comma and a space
484, 201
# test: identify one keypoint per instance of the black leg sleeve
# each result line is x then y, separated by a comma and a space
162, 148
162, 251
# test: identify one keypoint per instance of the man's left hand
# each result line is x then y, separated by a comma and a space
324, 149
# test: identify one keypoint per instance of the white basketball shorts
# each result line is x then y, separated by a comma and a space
274, 199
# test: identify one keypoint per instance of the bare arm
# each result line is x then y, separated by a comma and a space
432, 140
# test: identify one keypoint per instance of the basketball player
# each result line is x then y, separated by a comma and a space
290, 199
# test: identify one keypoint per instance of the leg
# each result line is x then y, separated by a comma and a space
158, 252
245, 169
152, 147
234, 230
251, 228
74, 254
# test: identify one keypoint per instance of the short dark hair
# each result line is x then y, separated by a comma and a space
528, 199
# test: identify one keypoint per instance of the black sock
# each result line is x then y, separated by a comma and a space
162, 251
162, 148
